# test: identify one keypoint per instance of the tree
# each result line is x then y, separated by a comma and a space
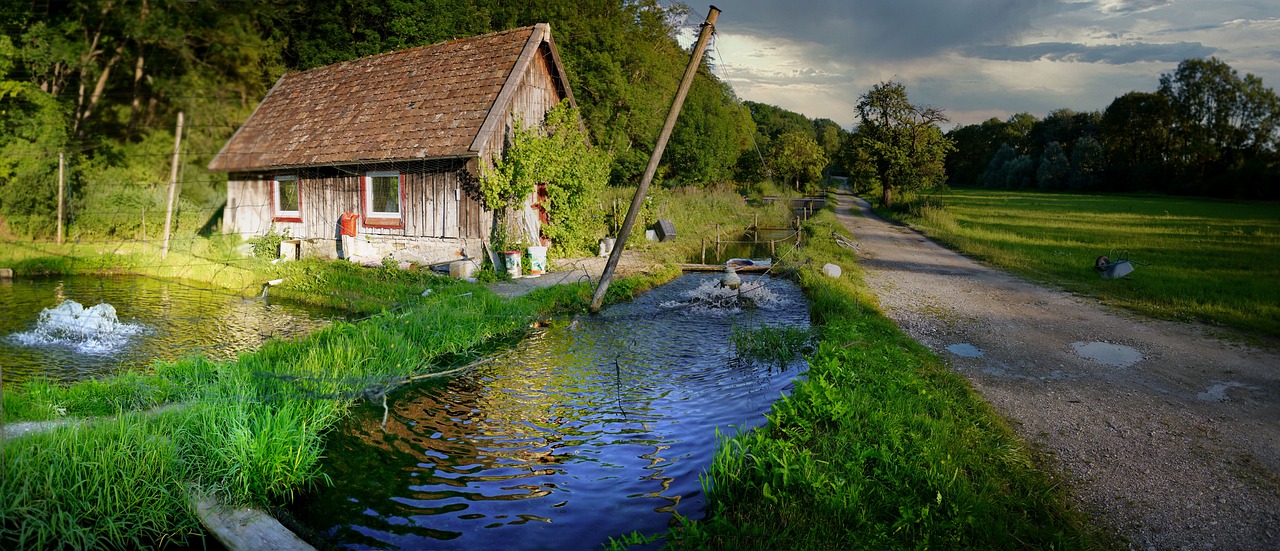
1220, 119
903, 141
1054, 169
32, 132
994, 176
1135, 133
1088, 161
797, 158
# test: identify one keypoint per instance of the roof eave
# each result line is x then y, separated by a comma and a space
335, 164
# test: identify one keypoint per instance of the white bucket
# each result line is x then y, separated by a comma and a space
537, 260
511, 259
462, 269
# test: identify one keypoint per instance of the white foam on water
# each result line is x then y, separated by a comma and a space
710, 298
94, 330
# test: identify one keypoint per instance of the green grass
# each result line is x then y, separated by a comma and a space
1210, 260
697, 213
880, 446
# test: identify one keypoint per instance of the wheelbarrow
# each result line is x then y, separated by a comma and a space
1117, 267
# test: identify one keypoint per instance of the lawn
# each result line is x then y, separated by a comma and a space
1201, 259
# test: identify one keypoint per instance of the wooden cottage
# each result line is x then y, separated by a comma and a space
398, 138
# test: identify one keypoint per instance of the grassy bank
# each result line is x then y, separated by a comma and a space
879, 447
1210, 260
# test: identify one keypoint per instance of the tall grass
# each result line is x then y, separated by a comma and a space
879, 447
1208, 260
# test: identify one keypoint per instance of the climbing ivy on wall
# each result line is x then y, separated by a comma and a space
557, 154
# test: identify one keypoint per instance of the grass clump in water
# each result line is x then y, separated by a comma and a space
772, 344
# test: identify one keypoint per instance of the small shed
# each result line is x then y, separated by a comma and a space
399, 138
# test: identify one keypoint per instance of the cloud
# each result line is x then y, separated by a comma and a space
898, 29
1125, 7
1114, 54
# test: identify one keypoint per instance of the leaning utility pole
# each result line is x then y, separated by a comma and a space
620, 243
173, 184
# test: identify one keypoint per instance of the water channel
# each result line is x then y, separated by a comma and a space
588, 430
147, 319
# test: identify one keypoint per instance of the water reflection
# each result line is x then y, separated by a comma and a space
588, 430
166, 320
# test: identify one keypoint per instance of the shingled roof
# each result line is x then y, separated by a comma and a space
421, 103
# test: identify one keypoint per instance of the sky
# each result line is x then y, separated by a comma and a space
978, 59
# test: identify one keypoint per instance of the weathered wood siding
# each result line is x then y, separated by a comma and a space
248, 210
537, 93
434, 204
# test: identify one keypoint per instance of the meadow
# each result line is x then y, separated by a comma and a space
1212, 261
878, 446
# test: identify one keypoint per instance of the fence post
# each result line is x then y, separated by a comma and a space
173, 184
61, 174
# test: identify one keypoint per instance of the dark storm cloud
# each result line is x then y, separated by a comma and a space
1117, 54
888, 29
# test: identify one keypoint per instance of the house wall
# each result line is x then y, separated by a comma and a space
440, 221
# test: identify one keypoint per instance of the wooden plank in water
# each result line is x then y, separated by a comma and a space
720, 268
244, 528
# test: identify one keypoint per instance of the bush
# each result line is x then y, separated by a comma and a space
267, 245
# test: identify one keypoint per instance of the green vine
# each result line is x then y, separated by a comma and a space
558, 155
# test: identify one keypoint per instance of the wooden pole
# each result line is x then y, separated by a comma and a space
704, 250
173, 185
755, 230
61, 185
638, 200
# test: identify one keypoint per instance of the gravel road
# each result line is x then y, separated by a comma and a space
1170, 434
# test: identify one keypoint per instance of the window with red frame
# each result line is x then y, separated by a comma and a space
382, 194
286, 198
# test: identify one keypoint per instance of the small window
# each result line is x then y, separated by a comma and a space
382, 195
287, 198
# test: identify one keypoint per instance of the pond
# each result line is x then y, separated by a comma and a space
590, 429
148, 319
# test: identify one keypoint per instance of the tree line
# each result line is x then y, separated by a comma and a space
103, 81
1205, 131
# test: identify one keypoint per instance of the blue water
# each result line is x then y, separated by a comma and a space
589, 430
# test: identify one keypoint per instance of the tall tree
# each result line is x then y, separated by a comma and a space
1220, 119
1054, 169
797, 158
903, 141
1136, 135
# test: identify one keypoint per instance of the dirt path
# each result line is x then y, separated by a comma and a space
1170, 434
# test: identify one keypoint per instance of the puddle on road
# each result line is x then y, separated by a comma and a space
1115, 355
1218, 392
965, 350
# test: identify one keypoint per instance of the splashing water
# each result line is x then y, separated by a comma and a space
94, 330
710, 298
